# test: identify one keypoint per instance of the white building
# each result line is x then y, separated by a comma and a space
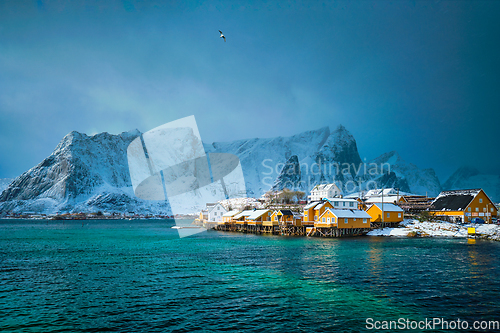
215, 212
343, 203
320, 192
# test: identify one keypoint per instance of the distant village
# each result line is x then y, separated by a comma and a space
328, 213
324, 212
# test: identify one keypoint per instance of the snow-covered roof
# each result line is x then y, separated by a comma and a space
378, 192
324, 187
257, 213
348, 213
231, 213
312, 204
342, 199
454, 200
388, 199
243, 213
388, 207
213, 206
318, 207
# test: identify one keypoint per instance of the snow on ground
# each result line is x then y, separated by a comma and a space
415, 228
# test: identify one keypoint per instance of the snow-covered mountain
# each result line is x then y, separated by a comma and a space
407, 176
83, 174
90, 173
4, 182
263, 159
469, 178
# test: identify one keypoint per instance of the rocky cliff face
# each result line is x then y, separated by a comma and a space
84, 173
4, 182
90, 173
469, 178
418, 181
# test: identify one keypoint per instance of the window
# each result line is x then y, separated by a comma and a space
336, 203
484, 209
364, 220
388, 215
315, 217
351, 204
275, 218
218, 207
469, 209
346, 220
491, 210
324, 220
480, 200
354, 219
344, 203
477, 209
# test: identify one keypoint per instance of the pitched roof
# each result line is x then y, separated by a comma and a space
286, 212
454, 200
231, 213
312, 204
257, 213
212, 207
348, 213
387, 199
320, 205
243, 213
388, 207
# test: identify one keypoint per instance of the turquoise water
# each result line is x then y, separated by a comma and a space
137, 276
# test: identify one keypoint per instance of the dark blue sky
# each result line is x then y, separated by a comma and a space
418, 77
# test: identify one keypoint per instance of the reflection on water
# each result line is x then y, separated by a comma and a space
139, 276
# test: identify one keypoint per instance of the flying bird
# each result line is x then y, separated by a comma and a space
222, 35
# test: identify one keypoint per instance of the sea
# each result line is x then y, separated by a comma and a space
139, 276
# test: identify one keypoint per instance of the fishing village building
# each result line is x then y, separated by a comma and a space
320, 192
462, 206
338, 216
386, 213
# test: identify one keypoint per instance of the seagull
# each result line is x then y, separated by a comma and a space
222, 35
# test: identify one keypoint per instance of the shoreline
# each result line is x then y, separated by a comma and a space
442, 229
409, 228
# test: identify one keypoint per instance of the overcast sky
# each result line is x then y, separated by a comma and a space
418, 77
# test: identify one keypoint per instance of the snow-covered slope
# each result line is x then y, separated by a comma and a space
4, 182
263, 159
409, 177
83, 174
90, 173
470, 178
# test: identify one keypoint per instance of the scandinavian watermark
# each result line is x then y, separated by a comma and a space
351, 177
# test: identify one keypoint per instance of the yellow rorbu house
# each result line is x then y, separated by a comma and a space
391, 213
343, 218
314, 210
258, 216
228, 217
286, 217
463, 206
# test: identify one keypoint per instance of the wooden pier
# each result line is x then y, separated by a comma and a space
291, 230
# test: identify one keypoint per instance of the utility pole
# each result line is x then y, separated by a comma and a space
383, 223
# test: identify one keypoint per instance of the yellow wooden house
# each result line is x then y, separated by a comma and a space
392, 213
343, 218
228, 217
286, 217
464, 205
258, 216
